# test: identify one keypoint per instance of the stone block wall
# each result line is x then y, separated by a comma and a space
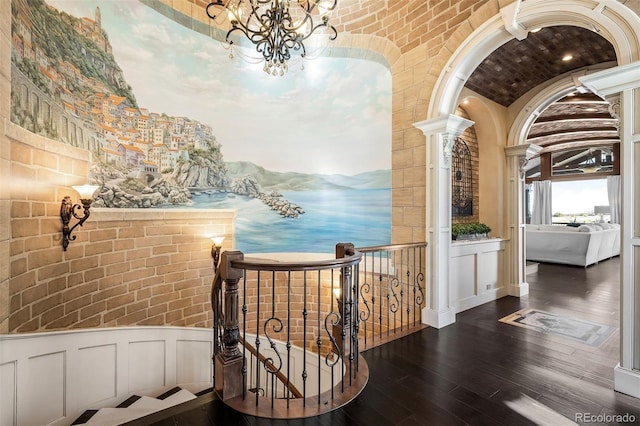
414, 38
126, 266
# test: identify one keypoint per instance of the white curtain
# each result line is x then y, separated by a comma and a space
613, 191
541, 209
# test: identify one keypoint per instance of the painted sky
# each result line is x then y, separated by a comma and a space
332, 117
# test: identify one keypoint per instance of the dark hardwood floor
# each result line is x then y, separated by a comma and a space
480, 371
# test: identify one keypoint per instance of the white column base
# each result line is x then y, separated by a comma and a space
519, 290
626, 381
438, 319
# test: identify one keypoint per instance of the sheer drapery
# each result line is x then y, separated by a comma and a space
541, 209
613, 191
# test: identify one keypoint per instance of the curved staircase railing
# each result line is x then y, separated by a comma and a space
299, 315
288, 335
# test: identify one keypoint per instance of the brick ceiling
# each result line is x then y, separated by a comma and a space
578, 120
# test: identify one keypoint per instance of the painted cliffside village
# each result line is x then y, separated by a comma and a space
103, 122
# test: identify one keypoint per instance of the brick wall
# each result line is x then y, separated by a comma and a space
126, 267
413, 36
5, 162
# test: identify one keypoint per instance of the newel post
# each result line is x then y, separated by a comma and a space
229, 380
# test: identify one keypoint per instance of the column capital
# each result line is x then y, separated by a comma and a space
448, 127
523, 153
451, 125
614, 107
526, 150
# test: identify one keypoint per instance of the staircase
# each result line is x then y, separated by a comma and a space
135, 407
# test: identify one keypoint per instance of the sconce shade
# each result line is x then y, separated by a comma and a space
337, 293
217, 241
86, 191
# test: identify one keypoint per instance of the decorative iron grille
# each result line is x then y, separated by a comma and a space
462, 180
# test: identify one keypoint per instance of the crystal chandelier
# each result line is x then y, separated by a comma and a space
276, 27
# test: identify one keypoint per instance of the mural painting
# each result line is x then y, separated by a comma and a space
172, 121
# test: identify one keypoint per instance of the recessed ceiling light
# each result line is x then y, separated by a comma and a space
591, 109
465, 102
567, 58
535, 30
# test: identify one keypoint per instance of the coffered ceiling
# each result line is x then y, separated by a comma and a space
578, 120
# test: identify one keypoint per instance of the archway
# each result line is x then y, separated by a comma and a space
621, 27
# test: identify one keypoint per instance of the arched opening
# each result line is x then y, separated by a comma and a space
516, 21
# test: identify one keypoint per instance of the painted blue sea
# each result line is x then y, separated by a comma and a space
361, 217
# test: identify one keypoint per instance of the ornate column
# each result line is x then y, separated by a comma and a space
441, 133
517, 158
621, 86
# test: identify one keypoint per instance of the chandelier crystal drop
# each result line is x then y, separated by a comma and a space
277, 28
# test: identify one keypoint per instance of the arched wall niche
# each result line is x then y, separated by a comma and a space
490, 127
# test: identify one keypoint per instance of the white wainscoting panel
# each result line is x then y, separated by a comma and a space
191, 367
8, 393
146, 365
477, 272
464, 272
97, 371
52, 378
46, 381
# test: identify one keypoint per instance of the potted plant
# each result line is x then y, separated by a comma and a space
469, 231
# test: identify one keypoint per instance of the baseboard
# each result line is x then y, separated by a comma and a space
531, 268
519, 290
438, 319
627, 381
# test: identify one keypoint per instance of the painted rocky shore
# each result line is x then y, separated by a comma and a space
198, 170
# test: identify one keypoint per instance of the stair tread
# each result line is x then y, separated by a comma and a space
134, 407
84, 417
160, 404
170, 392
127, 402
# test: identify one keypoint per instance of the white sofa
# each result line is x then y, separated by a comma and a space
582, 246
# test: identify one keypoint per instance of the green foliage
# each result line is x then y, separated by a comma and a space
469, 229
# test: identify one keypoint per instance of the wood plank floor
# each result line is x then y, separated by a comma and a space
479, 371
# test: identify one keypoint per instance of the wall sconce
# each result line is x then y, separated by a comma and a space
215, 251
337, 292
68, 209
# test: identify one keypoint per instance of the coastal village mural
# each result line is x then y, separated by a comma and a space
173, 122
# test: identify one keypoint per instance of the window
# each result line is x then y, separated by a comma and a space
575, 201
461, 180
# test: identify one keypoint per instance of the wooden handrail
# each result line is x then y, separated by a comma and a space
215, 288
390, 247
261, 264
279, 375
